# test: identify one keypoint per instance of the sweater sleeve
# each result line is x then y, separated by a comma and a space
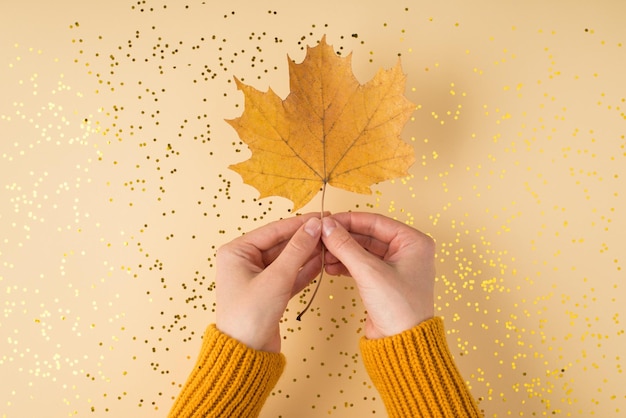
415, 374
229, 379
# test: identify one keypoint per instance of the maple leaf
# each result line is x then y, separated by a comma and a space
329, 130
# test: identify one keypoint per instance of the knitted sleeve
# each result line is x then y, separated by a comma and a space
229, 379
415, 374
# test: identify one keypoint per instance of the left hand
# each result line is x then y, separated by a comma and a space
392, 264
258, 273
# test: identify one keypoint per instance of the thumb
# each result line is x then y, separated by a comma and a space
343, 246
297, 252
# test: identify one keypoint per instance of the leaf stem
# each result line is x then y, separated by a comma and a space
319, 282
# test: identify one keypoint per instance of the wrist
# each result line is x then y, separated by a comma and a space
254, 337
395, 323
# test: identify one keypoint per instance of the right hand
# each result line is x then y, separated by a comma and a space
392, 264
259, 272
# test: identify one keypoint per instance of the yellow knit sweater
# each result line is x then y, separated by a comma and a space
413, 371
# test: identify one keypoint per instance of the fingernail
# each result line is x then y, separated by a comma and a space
328, 225
312, 227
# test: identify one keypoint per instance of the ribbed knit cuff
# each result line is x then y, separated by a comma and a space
228, 380
416, 375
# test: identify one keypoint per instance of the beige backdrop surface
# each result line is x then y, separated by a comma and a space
115, 193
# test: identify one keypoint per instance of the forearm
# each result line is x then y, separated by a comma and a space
228, 379
416, 374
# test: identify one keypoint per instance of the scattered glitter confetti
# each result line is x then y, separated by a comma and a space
115, 195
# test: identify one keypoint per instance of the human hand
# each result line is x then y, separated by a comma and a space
259, 272
392, 264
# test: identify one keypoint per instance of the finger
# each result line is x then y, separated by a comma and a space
371, 244
307, 273
298, 250
377, 226
337, 269
329, 258
271, 254
398, 236
277, 232
239, 259
343, 246
333, 266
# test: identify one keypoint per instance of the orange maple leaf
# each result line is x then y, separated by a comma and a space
329, 130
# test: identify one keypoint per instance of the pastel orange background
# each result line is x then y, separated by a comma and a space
115, 193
